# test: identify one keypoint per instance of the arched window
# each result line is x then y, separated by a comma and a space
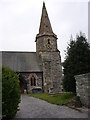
33, 81
48, 41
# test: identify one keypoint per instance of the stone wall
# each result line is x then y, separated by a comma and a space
83, 88
53, 70
46, 43
26, 77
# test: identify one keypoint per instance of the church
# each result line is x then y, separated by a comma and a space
39, 71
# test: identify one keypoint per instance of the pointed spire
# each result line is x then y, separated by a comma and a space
45, 25
43, 4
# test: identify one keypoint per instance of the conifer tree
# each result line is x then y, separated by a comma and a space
77, 61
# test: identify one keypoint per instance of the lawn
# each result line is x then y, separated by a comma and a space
59, 99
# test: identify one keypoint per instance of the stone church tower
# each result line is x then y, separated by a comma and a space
46, 48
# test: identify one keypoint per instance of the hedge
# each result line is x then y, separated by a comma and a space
10, 92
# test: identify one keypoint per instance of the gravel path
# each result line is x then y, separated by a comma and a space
35, 108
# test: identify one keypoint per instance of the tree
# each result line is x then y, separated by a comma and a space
10, 92
77, 61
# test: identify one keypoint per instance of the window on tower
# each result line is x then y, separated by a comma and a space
48, 41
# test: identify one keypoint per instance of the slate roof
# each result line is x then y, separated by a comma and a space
22, 61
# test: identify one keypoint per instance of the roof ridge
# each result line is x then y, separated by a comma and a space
17, 52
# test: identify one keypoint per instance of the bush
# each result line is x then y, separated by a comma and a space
10, 92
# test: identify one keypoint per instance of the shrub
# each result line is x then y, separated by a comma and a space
10, 92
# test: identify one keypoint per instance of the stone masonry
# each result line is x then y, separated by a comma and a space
26, 77
53, 71
46, 48
83, 88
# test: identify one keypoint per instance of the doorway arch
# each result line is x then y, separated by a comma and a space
22, 83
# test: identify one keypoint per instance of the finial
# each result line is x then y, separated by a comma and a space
43, 4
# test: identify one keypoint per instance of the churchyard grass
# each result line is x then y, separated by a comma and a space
59, 99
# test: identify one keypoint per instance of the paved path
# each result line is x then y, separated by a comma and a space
35, 108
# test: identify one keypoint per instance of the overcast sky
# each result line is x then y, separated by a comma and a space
20, 20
